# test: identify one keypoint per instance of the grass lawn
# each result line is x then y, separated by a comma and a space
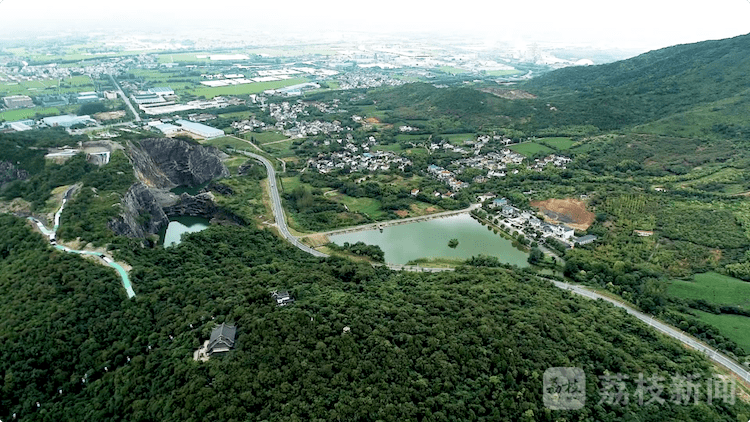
733, 327
558, 143
230, 141
288, 184
279, 149
715, 288
530, 148
390, 147
367, 206
265, 137
243, 89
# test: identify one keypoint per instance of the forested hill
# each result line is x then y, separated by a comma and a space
650, 86
469, 345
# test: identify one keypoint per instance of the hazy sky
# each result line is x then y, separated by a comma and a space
644, 24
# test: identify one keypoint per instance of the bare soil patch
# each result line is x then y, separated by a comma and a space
402, 213
569, 211
372, 120
110, 115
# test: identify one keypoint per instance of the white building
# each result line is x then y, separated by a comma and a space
200, 129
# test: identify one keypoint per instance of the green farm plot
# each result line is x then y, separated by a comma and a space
243, 89
25, 113
714, 288
458, 138
395, 147
372, 111
409, 137
504, 72
237, 115
733, 327
47, 86
558, 143
452, 70
530, 148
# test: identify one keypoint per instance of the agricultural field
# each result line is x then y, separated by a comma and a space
530, 148
558, 143
458, 138
395, 147
733, 327
409, 137
26, 113
245, 89
714, 288
452, 70
182, 57
504, 72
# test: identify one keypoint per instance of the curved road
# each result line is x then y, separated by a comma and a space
278, 211
693, 343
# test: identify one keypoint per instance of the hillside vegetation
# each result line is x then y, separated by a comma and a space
650, 86
469, 345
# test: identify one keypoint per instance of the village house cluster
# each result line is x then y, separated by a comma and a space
530, 226
496, 163
286, 115
446, 176
367, 161
556, 160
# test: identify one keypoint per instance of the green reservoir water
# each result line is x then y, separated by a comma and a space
429, 239
181, 225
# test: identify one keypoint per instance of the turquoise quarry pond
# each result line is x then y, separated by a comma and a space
429, 239
181, 225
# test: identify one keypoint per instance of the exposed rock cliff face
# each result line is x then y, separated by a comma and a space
9, 172
201, 205
165, 163
161, 164
141, 213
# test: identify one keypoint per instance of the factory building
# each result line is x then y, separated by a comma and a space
200, 129
18, 101
161, 90
67, 121
87, 97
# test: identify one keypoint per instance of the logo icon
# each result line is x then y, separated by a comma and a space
564, 388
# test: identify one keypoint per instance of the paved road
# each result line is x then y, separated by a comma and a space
375, 226
125, 98
278, 211
693, 343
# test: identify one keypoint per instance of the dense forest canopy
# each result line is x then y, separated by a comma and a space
452, 346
